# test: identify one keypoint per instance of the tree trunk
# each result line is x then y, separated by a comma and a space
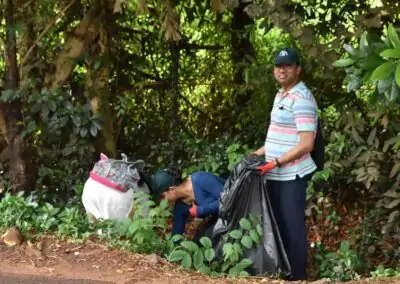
242, 49
12, 110
83, 35
97, 83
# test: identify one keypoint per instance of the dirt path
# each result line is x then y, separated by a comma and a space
28, 279
62, 261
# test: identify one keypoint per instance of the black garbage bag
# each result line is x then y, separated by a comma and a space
245, 194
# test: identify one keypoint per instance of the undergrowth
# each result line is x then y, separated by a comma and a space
146, 233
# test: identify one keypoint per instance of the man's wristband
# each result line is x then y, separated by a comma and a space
277, 163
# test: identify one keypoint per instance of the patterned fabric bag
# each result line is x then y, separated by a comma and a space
121, 175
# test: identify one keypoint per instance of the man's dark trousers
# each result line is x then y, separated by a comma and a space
288, 204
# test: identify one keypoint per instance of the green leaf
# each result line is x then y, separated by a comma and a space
83, 132
176, 238
383, 71
190, 246
209, 254
397, 74
259, 230
97, 124
234, 271
245, 224
63, 121
240, 267
198, 259
255, 237
344, 246
205, 270
391, 53
53, 106
236, 234
177, 255
97, 64
237, 248
246, 242
364, 44
245, 263
76, 120
206, 242
393, 94
245, 273
344, 62
393, 36
7, 95
227, 248
225, 266
45, 111
186, 261
384, 85
354, 82
350, 50
93, 130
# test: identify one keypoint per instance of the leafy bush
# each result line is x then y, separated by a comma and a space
342, 265
203, 258
382, 272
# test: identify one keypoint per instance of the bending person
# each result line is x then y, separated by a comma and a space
198, 195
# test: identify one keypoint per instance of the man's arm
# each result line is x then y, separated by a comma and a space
179, 219
305, 146
260, 151
305, 115
208, 209
211, 186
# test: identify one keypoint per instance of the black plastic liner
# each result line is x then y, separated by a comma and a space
245, 193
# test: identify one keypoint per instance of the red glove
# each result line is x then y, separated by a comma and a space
193, 211
267, 167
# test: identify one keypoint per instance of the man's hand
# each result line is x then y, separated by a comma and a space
193, 211
259, 152
267, 167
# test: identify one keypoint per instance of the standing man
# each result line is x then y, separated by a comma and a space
288, 144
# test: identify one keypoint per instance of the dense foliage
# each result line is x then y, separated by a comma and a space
189, 83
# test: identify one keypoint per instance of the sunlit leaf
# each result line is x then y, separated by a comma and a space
391, 53
245, 224
186, 261
383, 71
236, 234
393, 36
206, 242
397, 74
343, 62
247, 242
190, 246
93, 130
209, 254
177, 255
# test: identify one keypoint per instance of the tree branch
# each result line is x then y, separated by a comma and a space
52, 22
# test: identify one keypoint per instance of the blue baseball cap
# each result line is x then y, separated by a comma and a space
287, 56
163, 179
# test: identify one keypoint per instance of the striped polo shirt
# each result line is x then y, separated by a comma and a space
292, 112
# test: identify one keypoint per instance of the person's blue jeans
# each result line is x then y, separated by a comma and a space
288, 201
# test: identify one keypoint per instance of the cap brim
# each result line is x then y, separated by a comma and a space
285, 61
